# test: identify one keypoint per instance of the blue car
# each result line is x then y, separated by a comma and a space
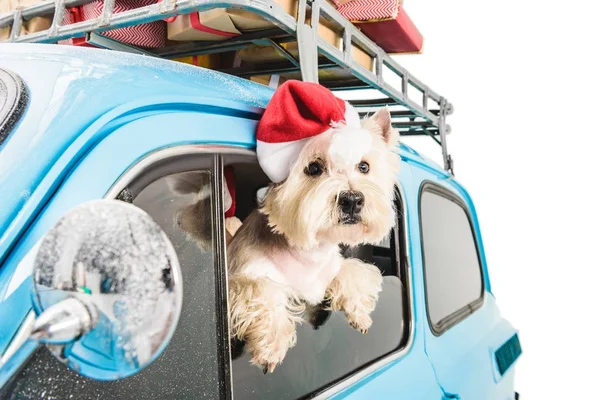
84, 128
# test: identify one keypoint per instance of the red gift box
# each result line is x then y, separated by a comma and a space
386, 23
150, 35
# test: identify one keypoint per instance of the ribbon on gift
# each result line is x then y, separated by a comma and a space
197, 25
75, 15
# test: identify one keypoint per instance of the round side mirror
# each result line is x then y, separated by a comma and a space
107, 290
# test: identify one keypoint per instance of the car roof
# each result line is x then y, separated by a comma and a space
71, 87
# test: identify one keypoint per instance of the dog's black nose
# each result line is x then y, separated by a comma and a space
351, 202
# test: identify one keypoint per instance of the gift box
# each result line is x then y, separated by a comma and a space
209, 25
268, 54
150, 35
222, 23
36, 24
386, 23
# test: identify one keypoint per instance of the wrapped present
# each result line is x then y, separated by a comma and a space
209, 25
386, 23
268, 54
36, 24
222, 23
247, 21
150, 35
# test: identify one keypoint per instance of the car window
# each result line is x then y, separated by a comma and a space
188, 367
453, 277
334, 350
13, 99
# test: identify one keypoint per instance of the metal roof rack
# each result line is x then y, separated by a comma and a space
423, 116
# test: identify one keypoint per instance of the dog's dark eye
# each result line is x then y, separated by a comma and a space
314, 169
363, 167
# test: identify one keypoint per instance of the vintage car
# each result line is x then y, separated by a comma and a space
102, 293
80, 128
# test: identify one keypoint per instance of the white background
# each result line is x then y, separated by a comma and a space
523, 77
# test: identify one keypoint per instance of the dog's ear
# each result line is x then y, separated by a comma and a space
382, 120
188, 182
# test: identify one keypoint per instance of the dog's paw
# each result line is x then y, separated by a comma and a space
266, 362
269, 368
360, 322
269, 352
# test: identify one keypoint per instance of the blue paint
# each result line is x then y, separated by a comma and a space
94, 114
12, 311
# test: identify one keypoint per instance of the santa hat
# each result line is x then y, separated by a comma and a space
297, 112
229, 192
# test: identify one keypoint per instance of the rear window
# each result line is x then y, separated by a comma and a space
453, 277
13, 99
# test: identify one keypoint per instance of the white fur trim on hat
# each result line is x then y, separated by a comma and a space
349, 142
276, 159
352, 117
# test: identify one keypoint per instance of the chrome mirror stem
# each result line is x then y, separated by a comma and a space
64, 322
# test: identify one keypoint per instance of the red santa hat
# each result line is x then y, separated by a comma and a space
229, 192
297, 112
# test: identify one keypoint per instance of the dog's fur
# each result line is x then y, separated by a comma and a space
286, 256
192, 218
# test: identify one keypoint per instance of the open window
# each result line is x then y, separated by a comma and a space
328, 349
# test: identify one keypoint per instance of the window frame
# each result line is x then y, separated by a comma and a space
223, 152
453, 319
159, 164
17, 98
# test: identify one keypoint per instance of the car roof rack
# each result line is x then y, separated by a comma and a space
415, 108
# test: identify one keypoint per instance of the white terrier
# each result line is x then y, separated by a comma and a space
334, 183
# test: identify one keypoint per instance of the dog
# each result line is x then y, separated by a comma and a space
286, 254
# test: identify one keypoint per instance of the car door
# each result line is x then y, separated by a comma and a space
464, 328
142, 157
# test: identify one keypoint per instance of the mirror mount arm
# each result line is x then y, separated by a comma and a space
65, 321
62, 323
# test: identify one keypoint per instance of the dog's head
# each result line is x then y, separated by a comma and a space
341, 188
194, 218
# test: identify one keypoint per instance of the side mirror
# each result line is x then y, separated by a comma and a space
107, 290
